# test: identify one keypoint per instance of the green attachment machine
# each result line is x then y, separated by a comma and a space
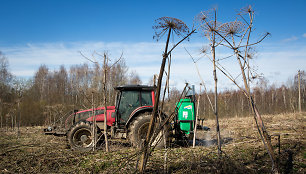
186, 115
186, 112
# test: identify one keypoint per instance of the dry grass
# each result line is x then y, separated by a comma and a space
34, 152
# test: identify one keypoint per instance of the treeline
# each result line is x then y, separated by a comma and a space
50, 95
269, 99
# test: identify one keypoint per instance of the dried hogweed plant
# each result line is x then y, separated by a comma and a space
208, 24
236, 35
161, 27
163, 24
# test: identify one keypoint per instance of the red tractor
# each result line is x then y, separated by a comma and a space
129, 119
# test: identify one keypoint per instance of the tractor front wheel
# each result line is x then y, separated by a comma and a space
80, 136
138, 131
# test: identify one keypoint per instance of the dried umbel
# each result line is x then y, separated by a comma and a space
246, 10
251, 52
164, 23
232, 28
203, 17
206, 22
204, 50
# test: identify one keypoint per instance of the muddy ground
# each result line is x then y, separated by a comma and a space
243, 151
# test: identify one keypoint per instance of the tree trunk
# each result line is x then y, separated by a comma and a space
284, 97
19, 119
105, 106
299, 85
94, 132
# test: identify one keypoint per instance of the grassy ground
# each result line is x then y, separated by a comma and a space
34, 152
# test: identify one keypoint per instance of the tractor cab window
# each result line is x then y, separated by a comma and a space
81, 116
99, 112
146, 98
129, 101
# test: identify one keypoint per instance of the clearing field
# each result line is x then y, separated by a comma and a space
34, 152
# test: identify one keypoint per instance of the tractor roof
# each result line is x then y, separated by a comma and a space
135, 87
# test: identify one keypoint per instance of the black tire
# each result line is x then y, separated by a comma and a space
138, 129
79, 136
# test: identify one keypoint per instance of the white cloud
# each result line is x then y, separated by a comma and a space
278, 66
290, 39
304, 35
145, 57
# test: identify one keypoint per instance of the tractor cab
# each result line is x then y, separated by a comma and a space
132, 99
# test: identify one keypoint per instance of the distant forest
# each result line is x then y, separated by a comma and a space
50, 95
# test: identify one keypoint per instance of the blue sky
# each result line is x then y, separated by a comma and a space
51, 32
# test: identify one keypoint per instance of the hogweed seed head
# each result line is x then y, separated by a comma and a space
163, 24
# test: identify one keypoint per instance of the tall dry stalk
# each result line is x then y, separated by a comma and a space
196, 119
208, 24
213, 51
163, 25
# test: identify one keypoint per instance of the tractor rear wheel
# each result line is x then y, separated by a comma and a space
80, 136
138, 131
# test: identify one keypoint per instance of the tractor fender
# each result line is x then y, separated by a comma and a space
136, 112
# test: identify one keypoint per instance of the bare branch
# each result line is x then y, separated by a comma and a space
225, 57
228, 75
267, 34
87, 58
117, 60
193, 31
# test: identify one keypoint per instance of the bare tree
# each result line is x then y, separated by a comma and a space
105, 105
40, 80
5, 75
94, 131
106, 69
